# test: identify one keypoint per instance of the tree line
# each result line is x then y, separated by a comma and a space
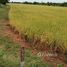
4, 2
48, 3
43, 3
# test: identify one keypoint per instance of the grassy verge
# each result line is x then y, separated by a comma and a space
8, 49
9, 53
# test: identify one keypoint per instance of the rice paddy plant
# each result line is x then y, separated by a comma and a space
43, 27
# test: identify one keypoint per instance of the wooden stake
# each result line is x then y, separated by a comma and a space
22, 55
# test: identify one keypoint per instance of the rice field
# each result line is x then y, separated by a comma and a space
9, 50
43, 21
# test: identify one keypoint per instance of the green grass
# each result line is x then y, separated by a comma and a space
42, 21
9, 53
4, 12
8, 49
33, 61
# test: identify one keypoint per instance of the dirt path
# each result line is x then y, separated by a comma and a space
12, 35
16, 38
7, 31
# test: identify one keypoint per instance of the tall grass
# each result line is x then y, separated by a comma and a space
42, 21
10, 51
42, 26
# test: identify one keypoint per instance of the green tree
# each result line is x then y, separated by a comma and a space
4, 2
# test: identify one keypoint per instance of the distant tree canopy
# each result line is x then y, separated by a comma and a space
48, 3
43, 3
4, 2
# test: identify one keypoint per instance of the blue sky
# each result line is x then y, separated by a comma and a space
40, 0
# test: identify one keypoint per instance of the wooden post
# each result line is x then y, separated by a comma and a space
22, 55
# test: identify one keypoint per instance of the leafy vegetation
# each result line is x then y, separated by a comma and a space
3, 2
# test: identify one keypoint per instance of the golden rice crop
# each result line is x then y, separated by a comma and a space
43, 21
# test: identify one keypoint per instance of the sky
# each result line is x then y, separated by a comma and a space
40, 0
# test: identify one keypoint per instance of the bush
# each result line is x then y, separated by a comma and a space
3, 2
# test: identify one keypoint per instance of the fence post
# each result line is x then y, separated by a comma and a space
22, 55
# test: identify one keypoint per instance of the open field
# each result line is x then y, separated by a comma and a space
42, 21
9, 50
